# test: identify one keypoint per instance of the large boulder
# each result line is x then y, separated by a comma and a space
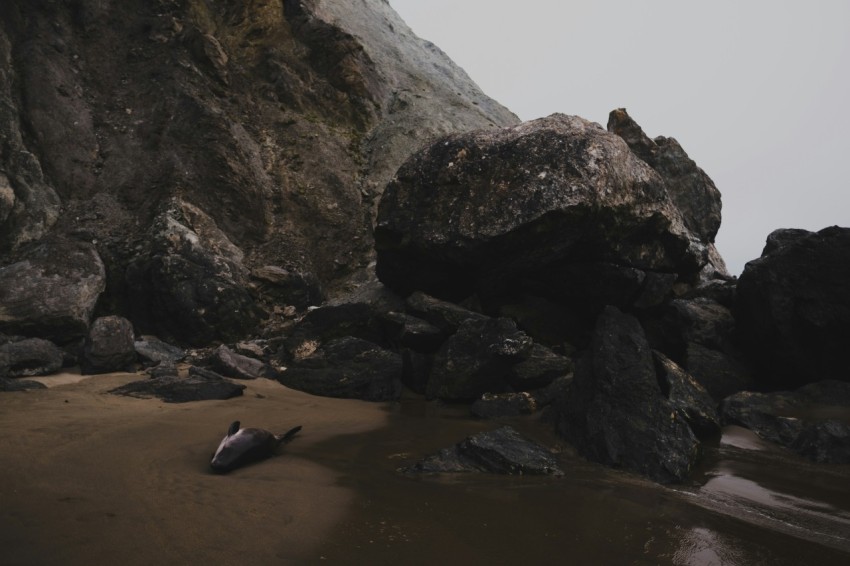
346, 367
557, 206
793, 308
29, 357
616, 412
478, 359
109, 346
190, 285
52, 292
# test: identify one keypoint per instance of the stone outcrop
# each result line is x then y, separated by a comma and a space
616, 412
227, 362
278, 122
501, 451
797, 419
29, 357
110, 346
793, 308
555, 207
51, 293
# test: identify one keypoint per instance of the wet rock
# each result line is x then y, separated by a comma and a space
539, 369
800, 420
793, 309
502, 451
152, 351
198, 386
7, 384
688, 397
501, 405
227, 362
191, 283
29, 357
347, 367
110, 346
52, 292
477, 359
537, 206
616, 412
416, 368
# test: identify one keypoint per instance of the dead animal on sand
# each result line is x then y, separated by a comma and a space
244, 445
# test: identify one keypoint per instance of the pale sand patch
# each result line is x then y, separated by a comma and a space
87, 477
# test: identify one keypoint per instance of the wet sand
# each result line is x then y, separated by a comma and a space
92, 478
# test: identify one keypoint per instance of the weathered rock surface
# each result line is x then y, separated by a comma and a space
29, 357
616, 412
547, 206
799, 420
502, 451
539, 369
228, 363
110, 346
52, 292
477, 359
279, 122
7, 384
349, 368
152, 351
198, 386
793, 308
692, 191
688, 397
191, 283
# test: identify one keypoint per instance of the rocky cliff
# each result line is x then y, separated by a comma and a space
240, 142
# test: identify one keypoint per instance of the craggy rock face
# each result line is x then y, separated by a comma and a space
542, 204
280, 121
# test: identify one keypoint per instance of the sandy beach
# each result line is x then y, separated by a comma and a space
87, 477
93, 478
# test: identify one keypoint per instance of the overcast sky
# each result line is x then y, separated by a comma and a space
757, 92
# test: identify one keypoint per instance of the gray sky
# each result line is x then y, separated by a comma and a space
755, 91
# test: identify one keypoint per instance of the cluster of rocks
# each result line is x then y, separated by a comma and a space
550, 265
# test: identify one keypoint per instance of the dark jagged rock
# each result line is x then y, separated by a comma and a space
793, 308
539, 369
795, 419
198, 386
416, 368
280, 122
295, 288
719, 373
349, 368
444, 315
616, 412
52, 292
477, 359
152, 351
501, 405
501, 451
538, 207
29, 357
191, 284
408, 331
227, 362
688, 397
7, 384
110, 346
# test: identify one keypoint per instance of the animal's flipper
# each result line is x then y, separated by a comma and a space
287, 436
234, 428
